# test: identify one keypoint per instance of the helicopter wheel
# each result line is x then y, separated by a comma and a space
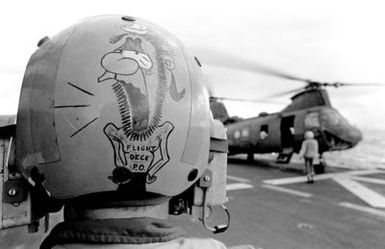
320, 168
250, 157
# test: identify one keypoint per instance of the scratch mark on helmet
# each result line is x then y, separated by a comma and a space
80, 89
70, 106
84, 126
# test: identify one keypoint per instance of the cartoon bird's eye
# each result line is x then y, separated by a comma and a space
136, 53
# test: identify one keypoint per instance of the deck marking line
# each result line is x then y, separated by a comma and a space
362, 208
367, 195
298, 179
363, 172
369, 180
289, 191
287, 180
238, 186
238, 179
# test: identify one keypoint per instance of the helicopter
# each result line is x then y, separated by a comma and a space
282, 132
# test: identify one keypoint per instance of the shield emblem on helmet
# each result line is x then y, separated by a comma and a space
140, 141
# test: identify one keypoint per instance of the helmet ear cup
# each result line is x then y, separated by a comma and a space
121, 175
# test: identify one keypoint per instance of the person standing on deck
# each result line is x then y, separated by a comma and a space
309, 151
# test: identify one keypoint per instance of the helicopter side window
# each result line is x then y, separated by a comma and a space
237, 134
264, 132
245, 133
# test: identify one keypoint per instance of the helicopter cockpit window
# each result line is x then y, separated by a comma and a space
334, 118
312, 120
264, 132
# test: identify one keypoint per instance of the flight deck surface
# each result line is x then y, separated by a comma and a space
273, 208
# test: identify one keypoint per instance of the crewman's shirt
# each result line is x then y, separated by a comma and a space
309, 148
138, 233
181, 243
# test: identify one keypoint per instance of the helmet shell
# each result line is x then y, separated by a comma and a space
109, 93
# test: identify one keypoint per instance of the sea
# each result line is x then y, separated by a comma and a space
368, 154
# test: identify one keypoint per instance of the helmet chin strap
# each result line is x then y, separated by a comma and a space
41, 201
215, 177
220, 228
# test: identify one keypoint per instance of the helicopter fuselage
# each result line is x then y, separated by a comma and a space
279, 131
283, 132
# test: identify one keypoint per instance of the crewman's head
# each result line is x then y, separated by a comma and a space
113, 111
309, 135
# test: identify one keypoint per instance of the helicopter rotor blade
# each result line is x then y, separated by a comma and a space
246, 100
221, 59
338, 84
280, 94
229, 61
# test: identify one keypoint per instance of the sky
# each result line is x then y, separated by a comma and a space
325, 40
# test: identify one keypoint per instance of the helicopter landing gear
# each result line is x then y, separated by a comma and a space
320, 167
250, 157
